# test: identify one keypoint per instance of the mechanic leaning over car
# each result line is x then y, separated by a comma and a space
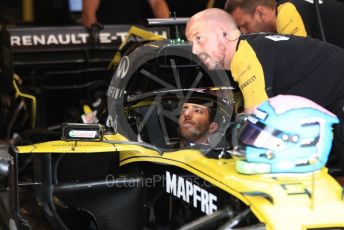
196, 123
297, 17
266, 64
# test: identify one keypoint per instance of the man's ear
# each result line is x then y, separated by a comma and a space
214, 126
260, 12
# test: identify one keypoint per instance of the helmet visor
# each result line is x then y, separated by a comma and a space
255, 133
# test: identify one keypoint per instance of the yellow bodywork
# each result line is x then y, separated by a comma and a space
288, 201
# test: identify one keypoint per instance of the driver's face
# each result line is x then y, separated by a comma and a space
194, 122
207, 45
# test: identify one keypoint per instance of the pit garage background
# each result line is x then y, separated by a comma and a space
58, 62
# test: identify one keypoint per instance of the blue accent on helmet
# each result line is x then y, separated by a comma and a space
296, 140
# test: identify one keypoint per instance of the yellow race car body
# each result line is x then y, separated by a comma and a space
288, 201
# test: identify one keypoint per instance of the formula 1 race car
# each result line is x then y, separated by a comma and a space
134, 173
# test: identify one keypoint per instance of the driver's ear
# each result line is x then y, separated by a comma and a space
214, 126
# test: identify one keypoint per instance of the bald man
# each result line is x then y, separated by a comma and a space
215, 50
265, 65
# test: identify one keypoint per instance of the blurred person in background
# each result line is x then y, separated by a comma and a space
122, 12
10, 11
297, 17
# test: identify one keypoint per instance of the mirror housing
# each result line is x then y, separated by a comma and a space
82, 132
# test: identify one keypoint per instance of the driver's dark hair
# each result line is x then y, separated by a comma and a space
211, 105
212, 112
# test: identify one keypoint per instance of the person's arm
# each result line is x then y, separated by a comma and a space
250, 110
89, 10
160, 8
248, 72
289, 20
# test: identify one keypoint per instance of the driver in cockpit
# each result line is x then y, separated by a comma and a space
196, 123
